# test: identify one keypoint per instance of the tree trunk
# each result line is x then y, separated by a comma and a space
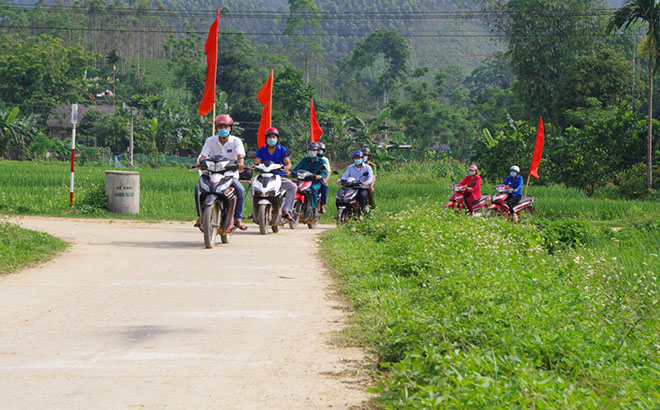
650, 136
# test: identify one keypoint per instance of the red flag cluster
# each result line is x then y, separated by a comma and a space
211, 47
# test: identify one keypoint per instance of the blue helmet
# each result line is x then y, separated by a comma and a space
358, 154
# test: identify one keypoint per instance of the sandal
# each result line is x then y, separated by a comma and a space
240, 225
287, 216
199, 225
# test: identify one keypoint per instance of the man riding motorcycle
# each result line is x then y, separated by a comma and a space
273, 151
316, 166
230, 147
515, 182
363, 173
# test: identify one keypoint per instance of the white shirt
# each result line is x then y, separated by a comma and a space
230, 150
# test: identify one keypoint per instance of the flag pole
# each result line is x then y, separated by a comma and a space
527, 185
311, 126
215, 100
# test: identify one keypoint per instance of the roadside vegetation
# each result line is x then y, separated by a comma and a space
20, 247
558, 311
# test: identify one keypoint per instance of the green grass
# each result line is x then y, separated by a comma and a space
20, 247
473, 313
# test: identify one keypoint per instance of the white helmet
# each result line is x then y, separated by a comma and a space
515, 168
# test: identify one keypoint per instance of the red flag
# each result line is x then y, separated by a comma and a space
538, 151
265, 97
211, 47
315, 130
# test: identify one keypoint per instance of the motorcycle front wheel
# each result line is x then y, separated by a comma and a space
261, 220
295, 214
342, 216
492, 213
210, 220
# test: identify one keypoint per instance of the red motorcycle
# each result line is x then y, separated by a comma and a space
456, 200
302, 207
499, 207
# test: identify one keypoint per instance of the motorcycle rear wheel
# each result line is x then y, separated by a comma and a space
275, 228
210, 221
492, 213
295, 214
530, 210
261, 220
314, 222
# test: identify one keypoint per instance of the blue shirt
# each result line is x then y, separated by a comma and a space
516, 183
353, 171
276, 157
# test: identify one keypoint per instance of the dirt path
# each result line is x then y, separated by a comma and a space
139, 315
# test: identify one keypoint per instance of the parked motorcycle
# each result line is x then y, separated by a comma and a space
347, 204
498, 203
302, 207
217, 198
456, 200
267, 197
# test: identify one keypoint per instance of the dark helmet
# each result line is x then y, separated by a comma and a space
358, 154
223, 119
272, 131
366, 151
314, 146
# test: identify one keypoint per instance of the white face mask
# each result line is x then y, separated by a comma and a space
471, 172
514, 173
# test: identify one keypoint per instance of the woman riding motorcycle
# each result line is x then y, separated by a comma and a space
473, 184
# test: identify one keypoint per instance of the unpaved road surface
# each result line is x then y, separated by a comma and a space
139, 315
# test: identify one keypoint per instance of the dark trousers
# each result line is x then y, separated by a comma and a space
469, 200
363, 197
511, 202
324, 194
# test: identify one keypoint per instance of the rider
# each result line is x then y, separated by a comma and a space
473, 184
229, 147
274, 152
515, 182
363, 173
324, 186
367, 153
316, 166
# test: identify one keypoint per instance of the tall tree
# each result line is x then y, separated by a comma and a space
303, 17
648, 13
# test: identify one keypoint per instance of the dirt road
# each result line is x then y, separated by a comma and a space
140, 315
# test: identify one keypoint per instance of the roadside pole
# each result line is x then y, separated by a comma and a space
74, 121
130, 145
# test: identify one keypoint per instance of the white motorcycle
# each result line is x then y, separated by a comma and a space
267, 197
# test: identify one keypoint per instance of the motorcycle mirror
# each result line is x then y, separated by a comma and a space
366, 174
335, 172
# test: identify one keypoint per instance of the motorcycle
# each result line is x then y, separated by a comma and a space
302, 208
498, 205
217, 198
456, 200
267, 197
347, 203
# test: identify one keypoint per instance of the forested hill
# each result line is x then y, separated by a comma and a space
439, 35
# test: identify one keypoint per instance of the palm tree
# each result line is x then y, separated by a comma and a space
647, 12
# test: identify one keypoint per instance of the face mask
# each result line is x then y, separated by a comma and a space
514, 173
357, 161
311, 154
271, 142
471, 172
223, 133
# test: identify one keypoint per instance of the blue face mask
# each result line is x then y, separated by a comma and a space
471, 172
514, 173
271, 142
223, 133
311, 154
357, 161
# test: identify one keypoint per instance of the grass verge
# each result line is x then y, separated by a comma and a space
465, 312
20, 247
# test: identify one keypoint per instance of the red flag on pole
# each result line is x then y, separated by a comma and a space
538, 151
211, 47
315, 128
265, 97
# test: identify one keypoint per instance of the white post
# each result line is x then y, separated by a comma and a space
74, 121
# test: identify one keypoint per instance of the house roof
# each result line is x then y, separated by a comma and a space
60, 117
